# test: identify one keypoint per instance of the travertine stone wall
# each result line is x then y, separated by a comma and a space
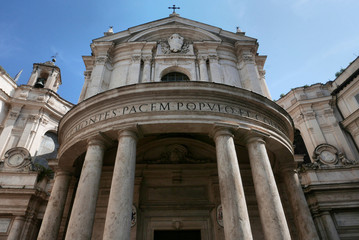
144, 54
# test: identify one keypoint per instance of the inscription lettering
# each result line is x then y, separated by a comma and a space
175, 106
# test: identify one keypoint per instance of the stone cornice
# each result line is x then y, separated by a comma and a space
47, 99
178, 106
351, 118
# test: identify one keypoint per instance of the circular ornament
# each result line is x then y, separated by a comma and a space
326, 154
17, 157
327, 157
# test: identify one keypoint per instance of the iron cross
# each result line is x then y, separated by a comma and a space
174, 8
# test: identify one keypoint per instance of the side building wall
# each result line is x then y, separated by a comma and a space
29, 117
327, 117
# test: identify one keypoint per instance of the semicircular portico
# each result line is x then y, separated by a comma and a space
162, 108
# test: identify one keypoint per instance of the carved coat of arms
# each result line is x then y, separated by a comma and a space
176, 42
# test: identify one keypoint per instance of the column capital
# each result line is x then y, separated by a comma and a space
95, 141
220, 129
62, 172
147, 59
19, 217
255, 136
202, 57
213, 58
136, 58
288, 167
128, 132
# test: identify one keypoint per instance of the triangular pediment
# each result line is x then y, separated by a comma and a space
161, 29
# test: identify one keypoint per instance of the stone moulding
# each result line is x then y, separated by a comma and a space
173, 107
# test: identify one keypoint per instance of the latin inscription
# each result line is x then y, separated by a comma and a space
173, 106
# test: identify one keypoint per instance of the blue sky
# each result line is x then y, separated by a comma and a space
306, 41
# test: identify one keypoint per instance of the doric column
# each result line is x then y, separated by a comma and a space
83, 210
119, 210
330, 229
203, 68
16, 228
302, 217
146, 75
235, 215
269, 204
53, 215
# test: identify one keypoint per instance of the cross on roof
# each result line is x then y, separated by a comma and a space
174, 8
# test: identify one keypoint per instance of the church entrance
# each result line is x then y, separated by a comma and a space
177, 234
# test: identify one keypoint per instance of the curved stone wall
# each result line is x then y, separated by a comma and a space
173, 107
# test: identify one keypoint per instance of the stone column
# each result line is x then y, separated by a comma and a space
53, 215
269, 204
31, 126
87, 75
235, 215
302, 217
203, 68
248, 71
134, 73
83, 210
119, 210
9, 123
16, 228
146, 75
51, 80
215, 69
97, 75
330, 229
263, 82
34, 75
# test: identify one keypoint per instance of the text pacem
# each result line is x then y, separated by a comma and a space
173, 106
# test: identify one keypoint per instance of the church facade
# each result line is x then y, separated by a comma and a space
175, 136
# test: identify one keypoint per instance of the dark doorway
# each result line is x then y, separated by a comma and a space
177, 235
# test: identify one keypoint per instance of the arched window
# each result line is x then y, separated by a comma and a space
48, 149
174, 76
299, 146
